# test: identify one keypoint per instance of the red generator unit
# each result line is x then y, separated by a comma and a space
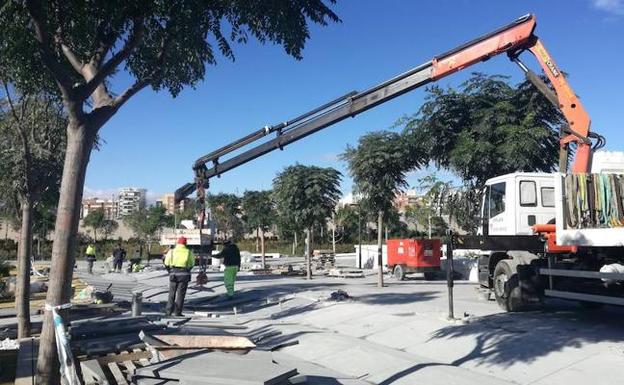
414, 256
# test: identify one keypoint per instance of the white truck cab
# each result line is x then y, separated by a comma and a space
512, 203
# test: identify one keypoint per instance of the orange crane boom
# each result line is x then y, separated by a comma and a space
512, 39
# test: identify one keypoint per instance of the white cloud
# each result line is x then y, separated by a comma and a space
615, 7
99, 193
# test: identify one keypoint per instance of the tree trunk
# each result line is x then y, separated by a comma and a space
309, 253
79, 144
294, 244
380, 281
22, 292
262, 248
258, 240
333, 234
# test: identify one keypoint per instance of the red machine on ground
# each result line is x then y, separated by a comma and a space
414, 256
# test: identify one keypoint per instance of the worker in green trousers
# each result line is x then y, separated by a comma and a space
232, 260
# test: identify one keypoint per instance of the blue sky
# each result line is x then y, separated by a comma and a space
155, 138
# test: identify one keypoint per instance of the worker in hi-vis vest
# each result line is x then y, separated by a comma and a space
232, 260
90, 257
179, 261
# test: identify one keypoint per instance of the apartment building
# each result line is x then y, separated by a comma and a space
108, 206
130, 199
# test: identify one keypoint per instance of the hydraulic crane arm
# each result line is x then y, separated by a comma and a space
512, 39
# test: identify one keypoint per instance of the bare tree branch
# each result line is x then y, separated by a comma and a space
131, 91
72, 59
107, 68
45, 45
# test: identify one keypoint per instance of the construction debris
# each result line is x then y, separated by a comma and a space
340, 295
9, 344
218, 342
346, 273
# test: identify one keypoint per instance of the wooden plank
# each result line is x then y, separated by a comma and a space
204, 341
130, 368
134, 356
117, 374
142, 361
92, 373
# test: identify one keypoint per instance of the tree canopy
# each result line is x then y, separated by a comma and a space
378, 166
146, 222
226, 212
485, 128
258, 209
95, 219
162, 44
306, 195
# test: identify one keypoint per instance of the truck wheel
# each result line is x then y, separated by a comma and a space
506, 286
429, 275
399, 272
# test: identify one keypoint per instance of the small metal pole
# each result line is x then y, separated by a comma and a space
137, 302
551, 262
449, 273
359, 262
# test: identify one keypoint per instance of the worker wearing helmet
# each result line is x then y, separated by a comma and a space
179, 261
232, 260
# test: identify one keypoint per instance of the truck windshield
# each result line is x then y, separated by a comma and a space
497, 199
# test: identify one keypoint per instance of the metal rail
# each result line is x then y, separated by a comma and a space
581, 274
585, 297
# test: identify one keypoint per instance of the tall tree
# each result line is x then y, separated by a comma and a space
378, 166
75, 48
485, 128
95, 219
226, 212
258, 214
306, 196
146, 222
109, 226
31, 152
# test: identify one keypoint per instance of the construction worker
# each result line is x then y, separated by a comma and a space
232, 260
179, 261
90, 257
119, 255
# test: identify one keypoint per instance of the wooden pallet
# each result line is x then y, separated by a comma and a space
113, 368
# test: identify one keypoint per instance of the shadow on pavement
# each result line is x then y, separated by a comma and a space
508, 338
396, 298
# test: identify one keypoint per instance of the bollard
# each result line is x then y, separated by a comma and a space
449, 274
137, 302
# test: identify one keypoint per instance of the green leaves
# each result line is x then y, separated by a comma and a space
31, 150
146, 222
226, 213
485, 129
166, 44
305, 196
378, 166
258, 209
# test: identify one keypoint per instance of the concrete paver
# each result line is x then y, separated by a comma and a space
399, 334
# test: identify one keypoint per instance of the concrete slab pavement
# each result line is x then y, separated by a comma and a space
399, 334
